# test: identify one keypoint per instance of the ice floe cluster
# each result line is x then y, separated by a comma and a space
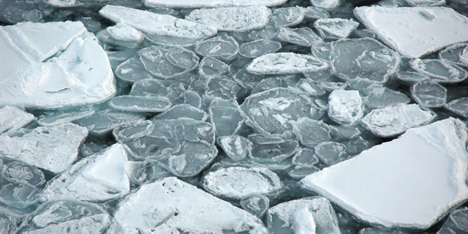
234, 116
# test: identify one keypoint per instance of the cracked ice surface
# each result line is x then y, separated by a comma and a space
53, 65
412, 181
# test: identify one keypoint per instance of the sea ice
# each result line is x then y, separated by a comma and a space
459, 106
410, 182
232, 19
380, 97
211, 67
345, 106
235, 147
394, 120
53, 65
222, 47
211, 3
286, 217
285, 63
271, 152
330, 152
313, 13
122, 35
303, 36
456, 54
256, 204
132, 70
103, 175
311, 132
64, 116
257, 48
140, 103
159, 28
457, 222
181, 207
287, 16
439, 70
237, 182
305, 157
415, 31
335, 28
225, 116
12, 118
425, 3
51, 148
429, 94
183, 111
104, 121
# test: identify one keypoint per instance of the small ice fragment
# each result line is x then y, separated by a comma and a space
178, 208
310, 87
273, 152
439, 70
103, 174
256, 204
345, 106
287, 16
12, 118
232, 19
456, 223
330, 152
132, 70
335, 28
159, 28
314, 13
133, 130
64, 116
140, 103
237, 182
303, 36
380, 97
257, 48
396, 26
303, 221
282, 218
104, 121
456, 54
394, 120
411, 76
211, 67
285, 63
122, 35
222, 47
305, 157
299, 172
183, 111
420, 176
425, 3
226, 117
211, 3
311, 132
20, 173
235, 147
429, 94
345, 132
459, 106
326, 4
51, 148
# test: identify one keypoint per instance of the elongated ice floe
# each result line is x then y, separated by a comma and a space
410, 182
237, 19
211, 3
286, 63
415, 31
170, 205
159, 28
52, 65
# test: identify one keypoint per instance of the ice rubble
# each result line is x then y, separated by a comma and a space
411, 182
415, 31
210, 3
53, 65
178, 207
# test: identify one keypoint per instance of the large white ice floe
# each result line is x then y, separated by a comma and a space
286, 63
415, 31
12, 118
394, 120
159, 28
411, 182
211, 3
96, 178
51, 148
52, 65
237, 19
173, 206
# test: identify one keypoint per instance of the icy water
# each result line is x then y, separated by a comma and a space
233, 116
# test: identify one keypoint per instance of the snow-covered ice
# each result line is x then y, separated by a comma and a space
12, 118
286, 63
415, 31
410, 182
345, 106
211, 3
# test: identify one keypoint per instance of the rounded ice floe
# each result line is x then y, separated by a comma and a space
335, 28
257, 48
210, 3
53, 65
303, 36
439, 70
458, 106
429, 94
235, 19
286, 63
140, 103
345, 106
394, 120
238, 182
456, 54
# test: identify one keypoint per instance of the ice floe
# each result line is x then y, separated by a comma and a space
286, 63
210, 3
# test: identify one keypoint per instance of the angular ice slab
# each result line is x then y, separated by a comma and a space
393, 120
415, 31
410, 182
173, 206
52, 65
96, 178
51, 148
285, 63
210, 3
238, 182
159, 28
12, 118
235, 19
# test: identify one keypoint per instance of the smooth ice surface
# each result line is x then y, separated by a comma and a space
52, 65
156, 26
51, 148
285, 63
257, 48
211, 3
103, 175
439, 70
235, 147
345, 106
393, 120
458, 106
140, 103
12, 118
236, 19
238, 182
288, 217
183, 207
456, 54
457, 222
412, 181
429, 94
415, 31
303, 36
